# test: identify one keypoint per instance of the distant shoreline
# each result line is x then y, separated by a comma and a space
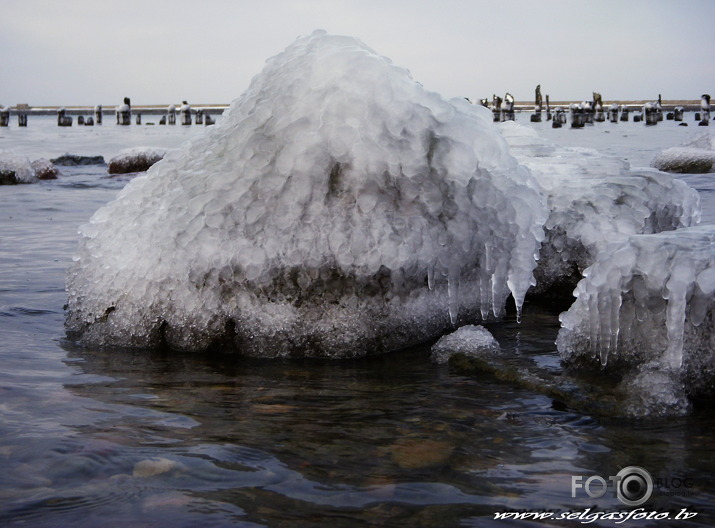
216, 109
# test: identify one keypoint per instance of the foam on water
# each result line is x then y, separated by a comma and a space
338, 208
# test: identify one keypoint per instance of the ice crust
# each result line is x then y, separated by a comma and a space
469, 339
645, 308
338, 209
695, 157
594, 200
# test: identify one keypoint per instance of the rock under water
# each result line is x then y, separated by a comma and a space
338, 209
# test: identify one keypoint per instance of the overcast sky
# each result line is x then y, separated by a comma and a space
88, 52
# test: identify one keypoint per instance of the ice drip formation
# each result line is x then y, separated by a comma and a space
340, 209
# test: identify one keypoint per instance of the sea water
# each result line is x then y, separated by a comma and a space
139, 438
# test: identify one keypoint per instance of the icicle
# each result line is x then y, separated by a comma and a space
453, 292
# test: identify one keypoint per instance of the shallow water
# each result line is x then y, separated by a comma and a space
138, 438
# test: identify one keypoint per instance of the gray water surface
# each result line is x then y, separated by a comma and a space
157, 439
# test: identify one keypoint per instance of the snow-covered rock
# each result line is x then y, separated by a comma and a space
695, 157
135, 159
594, 200
645, 309
338, 209
470, 340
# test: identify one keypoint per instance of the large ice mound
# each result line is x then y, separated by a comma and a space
338, 209
594, 200
695, 157
645, 311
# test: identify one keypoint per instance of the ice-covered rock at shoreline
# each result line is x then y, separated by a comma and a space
594, 200
135, 159
16, 169
338, 209
645, 311
695, 157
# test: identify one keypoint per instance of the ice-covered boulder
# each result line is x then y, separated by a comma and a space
15, 169
338, 209
71, 160
470, 340
645, 311
45, 169
695, 157
135, 159
594, 200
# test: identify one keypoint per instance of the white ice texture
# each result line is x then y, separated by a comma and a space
20, 165
470, 340
594, 200
338, 209
647, 306
694, 157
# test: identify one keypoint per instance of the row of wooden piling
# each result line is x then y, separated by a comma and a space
592, 111
186, 116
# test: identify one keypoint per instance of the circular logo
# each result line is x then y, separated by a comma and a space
634, 486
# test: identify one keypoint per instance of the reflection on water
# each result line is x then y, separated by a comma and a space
156, 439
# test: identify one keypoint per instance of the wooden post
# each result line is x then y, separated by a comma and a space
62, 119
508, 110
185, 113
171, 114
578, 118
650, 113
124, 113
613, 113
705, 110
4, 116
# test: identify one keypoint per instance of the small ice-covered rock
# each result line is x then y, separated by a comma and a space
594, 200
695, 157
45, 169
338, 209
15, 169
71, 160
135, 159
648, 300
471, 340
